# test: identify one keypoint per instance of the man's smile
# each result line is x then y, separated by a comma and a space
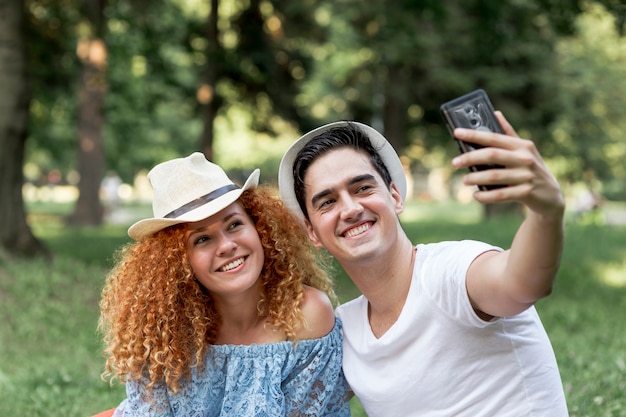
355, 231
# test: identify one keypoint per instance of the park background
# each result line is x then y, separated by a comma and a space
93, 93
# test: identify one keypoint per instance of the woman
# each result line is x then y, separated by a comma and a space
220, 307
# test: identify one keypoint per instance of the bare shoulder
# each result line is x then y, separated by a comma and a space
318, 314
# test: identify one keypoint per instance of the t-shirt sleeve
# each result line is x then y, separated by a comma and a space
443, 274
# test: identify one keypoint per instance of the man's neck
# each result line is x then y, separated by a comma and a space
385, 282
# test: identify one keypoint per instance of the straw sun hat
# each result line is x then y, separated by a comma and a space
385, 150
188, 190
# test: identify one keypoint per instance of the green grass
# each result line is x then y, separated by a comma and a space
50, 358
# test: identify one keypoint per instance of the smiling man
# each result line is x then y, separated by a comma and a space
442, 329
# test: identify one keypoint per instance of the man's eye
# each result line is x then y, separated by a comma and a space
325, 203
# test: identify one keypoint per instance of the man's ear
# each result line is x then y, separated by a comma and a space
397, 197
312, 235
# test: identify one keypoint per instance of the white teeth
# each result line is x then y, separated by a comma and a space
232, 265
357, 230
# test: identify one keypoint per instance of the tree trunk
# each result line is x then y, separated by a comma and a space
89, 210
395, 107
206, 93
503, 209
16, 238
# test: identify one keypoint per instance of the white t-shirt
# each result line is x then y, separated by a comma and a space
440, 359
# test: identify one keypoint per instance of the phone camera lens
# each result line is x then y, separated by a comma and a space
472, 116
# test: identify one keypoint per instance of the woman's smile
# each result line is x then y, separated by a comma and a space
232, 265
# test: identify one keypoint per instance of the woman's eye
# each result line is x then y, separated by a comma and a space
200, 239
235, 224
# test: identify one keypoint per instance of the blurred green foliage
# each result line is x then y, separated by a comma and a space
555, 67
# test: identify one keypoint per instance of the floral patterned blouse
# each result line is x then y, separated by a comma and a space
265, 380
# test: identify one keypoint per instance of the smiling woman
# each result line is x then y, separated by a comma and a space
217, 289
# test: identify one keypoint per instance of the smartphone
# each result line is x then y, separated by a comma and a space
472, 111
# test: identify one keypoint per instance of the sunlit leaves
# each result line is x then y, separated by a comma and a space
592, 71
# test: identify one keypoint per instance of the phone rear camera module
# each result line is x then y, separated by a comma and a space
473, 117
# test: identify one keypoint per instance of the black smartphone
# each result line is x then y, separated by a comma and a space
472, 111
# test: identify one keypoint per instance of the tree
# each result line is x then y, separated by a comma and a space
179, 71
152, 78
207, 96
15, 234
260, 70
393, 64
588, 134
92, 53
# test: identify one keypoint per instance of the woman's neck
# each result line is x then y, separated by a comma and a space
243, 324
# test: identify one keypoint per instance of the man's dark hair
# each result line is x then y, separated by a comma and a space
348, 136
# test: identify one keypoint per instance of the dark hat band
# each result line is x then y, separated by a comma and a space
200, 201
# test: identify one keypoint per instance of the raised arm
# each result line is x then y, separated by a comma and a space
507, 283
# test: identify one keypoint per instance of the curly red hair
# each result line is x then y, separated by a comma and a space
159, 321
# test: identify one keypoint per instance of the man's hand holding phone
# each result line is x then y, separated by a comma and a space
486, 157
522, 176
472, 111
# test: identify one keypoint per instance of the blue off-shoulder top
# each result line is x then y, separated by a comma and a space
266, 380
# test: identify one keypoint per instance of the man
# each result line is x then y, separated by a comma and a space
443, 329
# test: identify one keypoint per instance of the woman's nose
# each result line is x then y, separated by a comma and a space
226, 246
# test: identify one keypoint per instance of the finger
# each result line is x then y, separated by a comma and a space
493, 196
506, 126
498, 176
500, 195
485, 156
488, 138
485, 138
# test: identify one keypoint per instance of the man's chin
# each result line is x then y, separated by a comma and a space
357, 250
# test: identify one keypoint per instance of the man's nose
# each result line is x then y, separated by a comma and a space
350, 208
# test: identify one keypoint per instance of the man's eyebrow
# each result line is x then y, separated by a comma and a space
352, 181
361, 178
317, 197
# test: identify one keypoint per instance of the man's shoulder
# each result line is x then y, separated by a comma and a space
351, 309
451, 246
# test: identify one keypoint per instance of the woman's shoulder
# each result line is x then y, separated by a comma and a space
318, 313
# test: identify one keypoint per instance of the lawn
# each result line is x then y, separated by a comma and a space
50, 361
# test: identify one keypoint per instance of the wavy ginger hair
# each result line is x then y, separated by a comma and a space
159, 321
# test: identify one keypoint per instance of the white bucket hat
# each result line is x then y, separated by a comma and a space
385, 150
188, 190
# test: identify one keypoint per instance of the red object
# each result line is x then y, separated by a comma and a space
107, 413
